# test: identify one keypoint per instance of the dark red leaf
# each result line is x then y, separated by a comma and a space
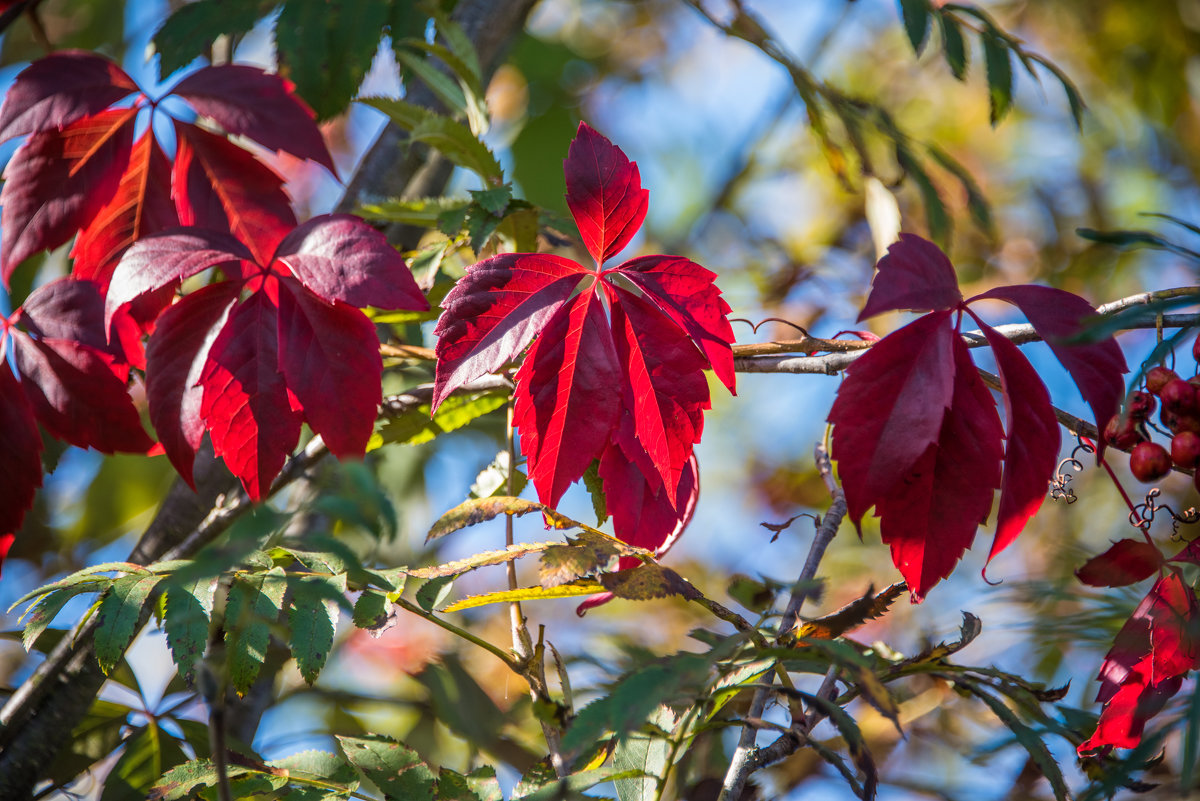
175, 359
687, 293
643, 516
495, 311
1126, 562
890, 407
160, 260
77, 396
245, 404
929, 517
219, 185
341, 258
20, 456
58, 180
142, 205
1096, 368
604, 192
665, 390
59, 89
914, 274
568, 396
66, 309
247, 101
1031, 452
329, 354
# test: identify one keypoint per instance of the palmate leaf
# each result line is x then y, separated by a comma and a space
20, 457
1127, 562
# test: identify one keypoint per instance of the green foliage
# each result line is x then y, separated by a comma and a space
418, 426
312, 617
119, 617
251, 608
185, 620
191, 30
453, 139
393, 767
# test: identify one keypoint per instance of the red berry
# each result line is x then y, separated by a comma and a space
1179, 396
1141, 405
1149, 462
1195, 381
1185, 449
1158, 377
1122, 432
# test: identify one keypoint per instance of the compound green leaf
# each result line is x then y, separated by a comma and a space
186, 621
312, 618
396, 769
253, 605
119, 614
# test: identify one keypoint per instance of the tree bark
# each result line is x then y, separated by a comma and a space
40, 716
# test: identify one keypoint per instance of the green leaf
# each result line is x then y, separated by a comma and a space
88, 574
313, 617
977, 203
1191, 743
422, 213
1135, 240
595, 488
326, 49
935, 210
998, 61
396, 769
415, 427
453, 139
460, 45
46, 609
572, 787
320, 765
372, 611
434, 593
147, 755
634, 698
484, 784
444, 88
916, 15
525, 594
186, 621
954, 47
119, 613
192, 28
853, 736
453, 786
646, 753
494, 201
252, 607
1074, 99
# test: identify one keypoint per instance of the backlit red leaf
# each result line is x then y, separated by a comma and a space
665, 389
175, 359
495, 311
256, 104
688, 294
141, 205
341, 258
20, 456
1096, 368
162, 259
58, 180
66, 309
1126, 562
1124, 717
890, 407
219, 185
930, 516
642, 515
54, 91
604, 193
77, 396
568, 396
913, 274
329, 354
245, 404
1031, 452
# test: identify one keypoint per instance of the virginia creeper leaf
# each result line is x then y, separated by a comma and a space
567, 396
20, 457
246, 404
648, 517
57, 90
1127, 562
66, 309
1031, 452
256, 104
913, 274
604, 193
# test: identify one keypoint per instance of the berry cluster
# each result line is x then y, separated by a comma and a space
1180, 414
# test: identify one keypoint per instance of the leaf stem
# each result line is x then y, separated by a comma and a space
495, 651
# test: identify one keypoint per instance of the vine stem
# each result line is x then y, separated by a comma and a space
745, 758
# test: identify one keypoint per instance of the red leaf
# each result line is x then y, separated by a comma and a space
58, 180
1031, 453
329, 354
914, 274
59, 89
175, 358
665, 389
642, 515
66, 309
1096, 368
162, 259
568, 396
76, 395
341, 258
221, 186
20, 456
494, 312
1126, 562
890, 407
247, 101
686, 293
1124, 717
245, 404
929, 518
141, 205
604, 192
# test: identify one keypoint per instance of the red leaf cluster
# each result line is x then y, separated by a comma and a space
615, 361
915, 430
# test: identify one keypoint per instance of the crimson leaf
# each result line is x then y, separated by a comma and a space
913, 274
1126, 562
57, 90
604, 193
20, 457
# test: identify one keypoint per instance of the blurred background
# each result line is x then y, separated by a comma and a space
740, 183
